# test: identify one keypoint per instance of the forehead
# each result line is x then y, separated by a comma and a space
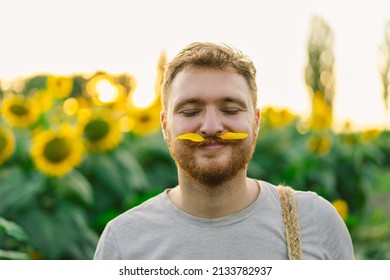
209, 85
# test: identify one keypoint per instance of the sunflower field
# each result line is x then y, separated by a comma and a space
75, 152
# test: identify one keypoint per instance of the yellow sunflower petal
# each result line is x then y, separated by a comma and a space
143, 120
191, 136
342, 208
101, 130
7, 144
20, 111
56, 153
59, 86
234, 136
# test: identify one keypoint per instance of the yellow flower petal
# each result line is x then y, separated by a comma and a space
342, 208
60, 86
57, 152
191, 136
234, 136
101, 131
144, 120
20, 111
7, 144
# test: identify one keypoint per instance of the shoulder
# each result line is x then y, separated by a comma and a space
322, 228
321, 222
311, 201
307, 201
311, 206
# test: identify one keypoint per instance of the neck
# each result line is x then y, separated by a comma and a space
216, 201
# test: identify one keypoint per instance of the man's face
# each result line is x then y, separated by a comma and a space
210, 103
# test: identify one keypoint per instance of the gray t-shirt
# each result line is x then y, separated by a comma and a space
158, 229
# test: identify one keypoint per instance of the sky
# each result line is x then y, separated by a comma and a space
117, 36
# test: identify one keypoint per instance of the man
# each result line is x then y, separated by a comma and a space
216, 212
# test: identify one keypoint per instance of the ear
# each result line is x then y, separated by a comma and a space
258, 118
163, 121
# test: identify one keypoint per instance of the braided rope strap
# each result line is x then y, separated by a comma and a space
291, 222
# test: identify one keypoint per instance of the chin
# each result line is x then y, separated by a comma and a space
214, 173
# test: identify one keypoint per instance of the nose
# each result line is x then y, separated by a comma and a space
211, 124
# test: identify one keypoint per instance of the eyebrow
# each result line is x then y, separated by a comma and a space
186, 101
237, 101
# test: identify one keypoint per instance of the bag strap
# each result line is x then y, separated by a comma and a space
292, 227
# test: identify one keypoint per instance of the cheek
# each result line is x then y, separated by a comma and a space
241, 125
184, 125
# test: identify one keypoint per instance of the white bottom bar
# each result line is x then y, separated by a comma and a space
49, 270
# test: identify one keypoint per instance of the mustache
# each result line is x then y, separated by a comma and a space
208, 140
199, 138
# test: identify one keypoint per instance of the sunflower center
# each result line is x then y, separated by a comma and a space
145, 118
57, 150
96, 130
18, 110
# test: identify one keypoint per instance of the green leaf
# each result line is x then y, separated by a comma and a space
41, 226
54, 232
17, 190
102, 219
74, 184
102, 168
79, 240
134, 173
34, 83
13, 230
9, 177
13, 255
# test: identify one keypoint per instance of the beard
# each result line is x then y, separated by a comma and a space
212, 171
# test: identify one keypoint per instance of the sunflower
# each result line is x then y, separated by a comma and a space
319, 144
45, 100
370, 134
56, 153
70, 106
7, 144
105, 90
101, 130
19, 110
321, 117
144, 120
275, 117
60, 87
342, 208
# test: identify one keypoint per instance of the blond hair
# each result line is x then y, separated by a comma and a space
211, 56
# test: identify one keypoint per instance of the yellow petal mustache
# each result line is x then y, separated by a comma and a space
191, 136
234, 136
227, 136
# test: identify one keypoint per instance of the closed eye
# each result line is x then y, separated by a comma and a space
232, 111
190, 113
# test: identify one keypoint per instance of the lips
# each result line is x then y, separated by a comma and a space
213, 146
